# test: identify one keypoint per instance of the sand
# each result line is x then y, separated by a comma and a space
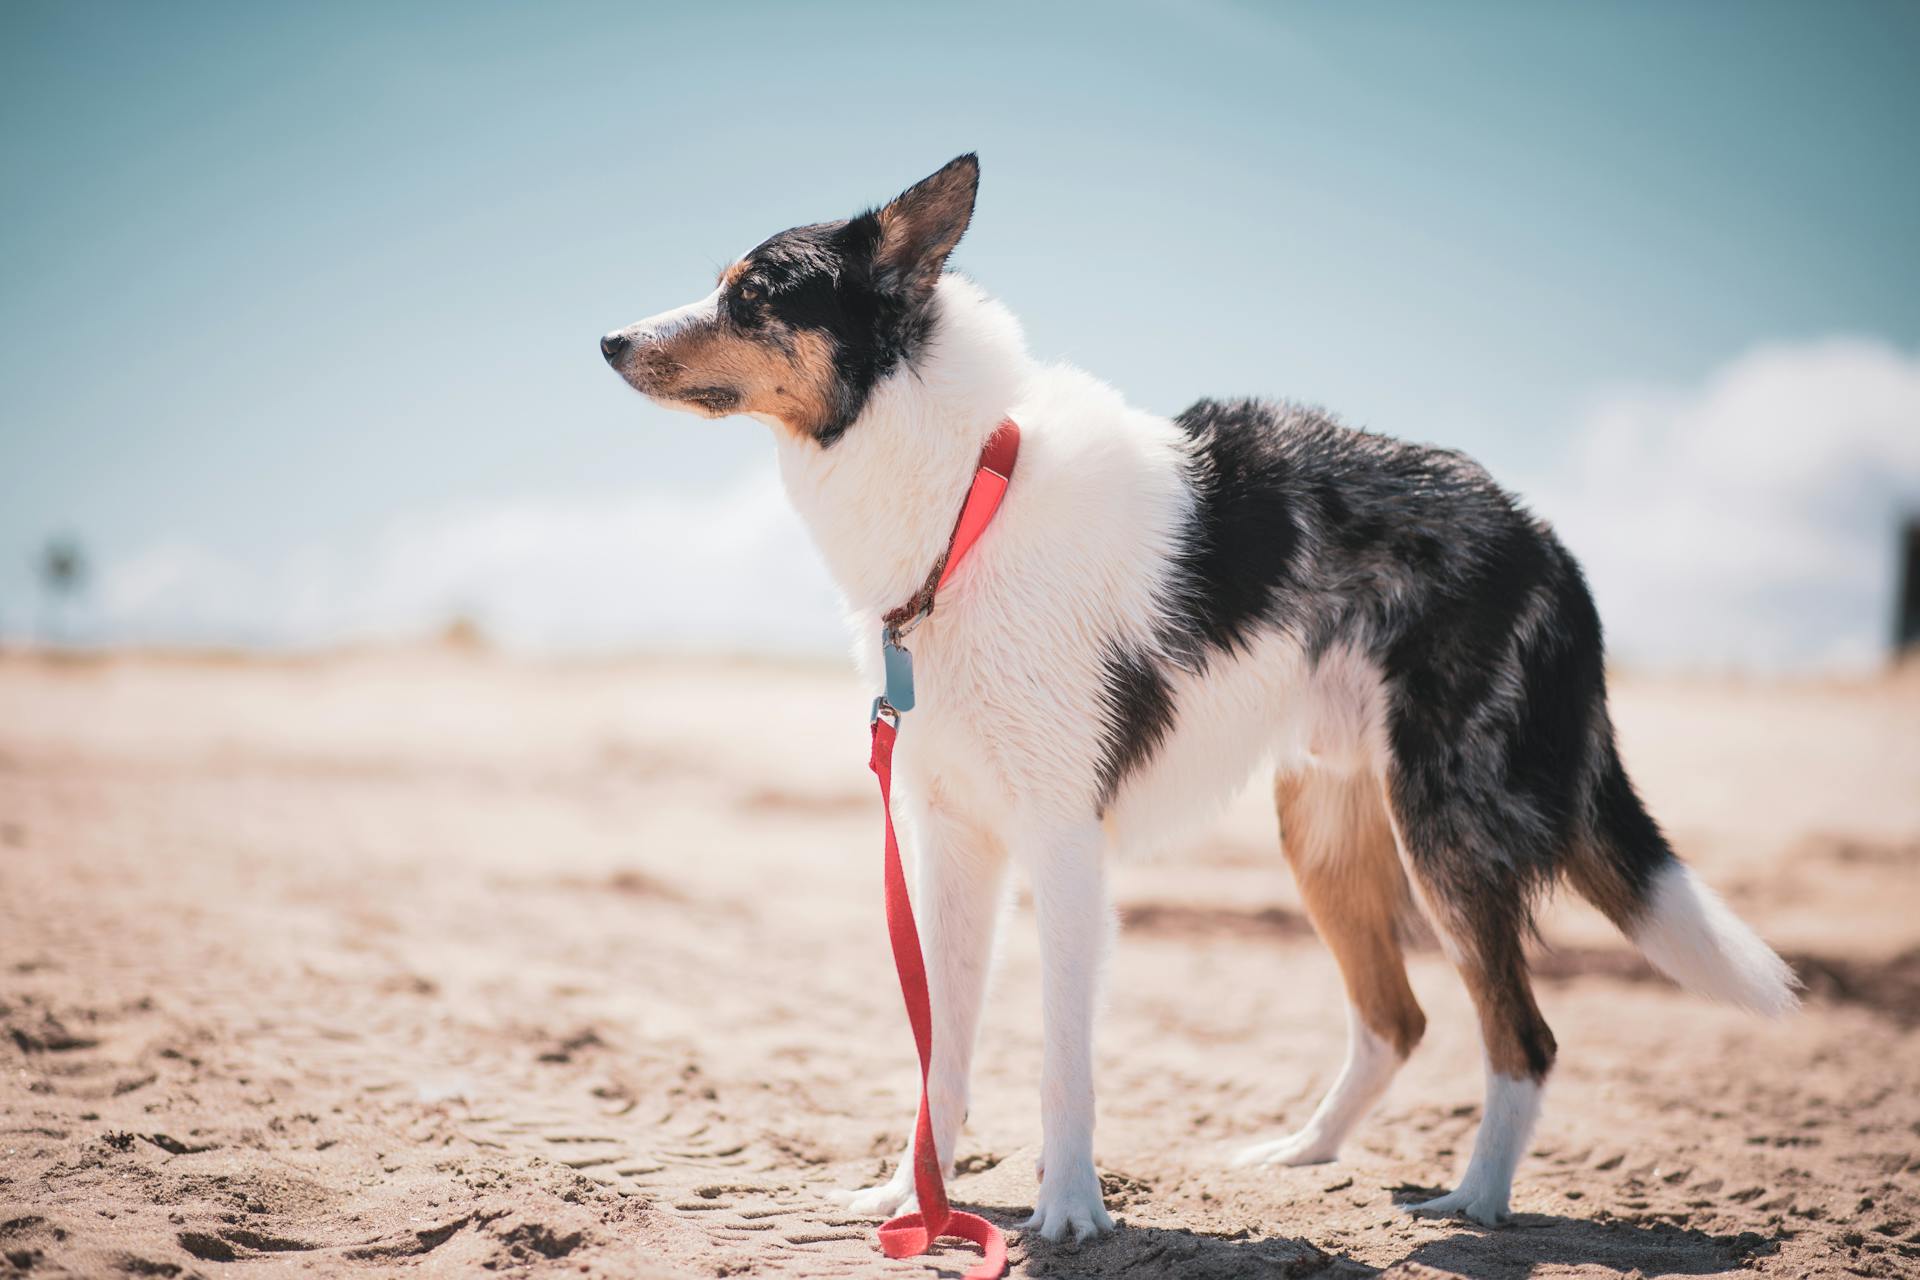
422, 963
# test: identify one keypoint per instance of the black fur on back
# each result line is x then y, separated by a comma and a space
1477, 618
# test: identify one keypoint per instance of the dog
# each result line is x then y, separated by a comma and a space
1161, 607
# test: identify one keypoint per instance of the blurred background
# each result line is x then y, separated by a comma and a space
299, 304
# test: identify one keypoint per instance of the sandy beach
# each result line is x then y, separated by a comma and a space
441, 964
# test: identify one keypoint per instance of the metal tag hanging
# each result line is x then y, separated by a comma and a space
899, 672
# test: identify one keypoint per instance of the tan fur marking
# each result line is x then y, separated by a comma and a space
794, 385
1484, 933
1597, 878
1338, 841
732, 274
803, 397
1509, 1020
1488, 948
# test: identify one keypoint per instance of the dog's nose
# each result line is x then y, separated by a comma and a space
613, 346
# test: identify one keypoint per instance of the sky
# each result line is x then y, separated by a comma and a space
298, 304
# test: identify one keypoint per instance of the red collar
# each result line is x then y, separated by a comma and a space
990, 480
989, 485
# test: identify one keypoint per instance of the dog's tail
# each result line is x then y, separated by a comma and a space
1628, 870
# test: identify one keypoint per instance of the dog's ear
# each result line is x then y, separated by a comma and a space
919, 227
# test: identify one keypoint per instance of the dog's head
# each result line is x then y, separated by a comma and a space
800, 330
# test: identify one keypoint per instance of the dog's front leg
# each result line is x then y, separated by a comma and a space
1070, 903
958, 873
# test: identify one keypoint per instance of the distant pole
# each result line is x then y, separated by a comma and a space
1906, 623
63, 574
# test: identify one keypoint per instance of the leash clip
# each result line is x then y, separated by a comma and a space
899, 631
881, 707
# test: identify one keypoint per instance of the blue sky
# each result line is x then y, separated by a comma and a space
297, 298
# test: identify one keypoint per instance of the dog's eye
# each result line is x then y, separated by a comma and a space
749, 293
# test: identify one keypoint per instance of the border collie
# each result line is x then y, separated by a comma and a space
1161, 607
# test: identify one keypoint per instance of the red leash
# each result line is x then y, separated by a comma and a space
912, 1234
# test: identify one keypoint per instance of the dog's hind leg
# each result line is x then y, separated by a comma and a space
1476, 895
1337, 838
959, 874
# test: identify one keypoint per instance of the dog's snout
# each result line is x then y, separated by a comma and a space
613, 346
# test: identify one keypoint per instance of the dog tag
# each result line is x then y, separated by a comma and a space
899, 669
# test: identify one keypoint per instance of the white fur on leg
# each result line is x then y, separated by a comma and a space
1369, 1068
957, 898
1512, 1107
1069, 898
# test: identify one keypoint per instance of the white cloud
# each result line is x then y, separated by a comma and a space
731, 571
1750, 522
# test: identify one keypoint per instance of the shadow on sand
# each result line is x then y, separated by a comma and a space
1512, 1252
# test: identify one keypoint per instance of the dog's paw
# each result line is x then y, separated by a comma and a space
894, 1196
1304, 1147
1488, 1208
1069, 1202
